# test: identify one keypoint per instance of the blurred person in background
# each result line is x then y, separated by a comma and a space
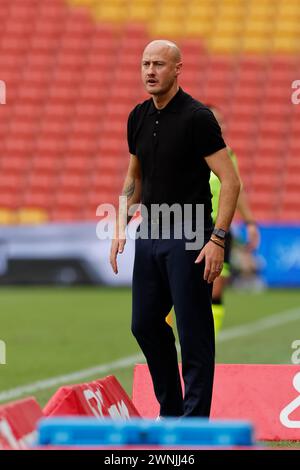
174, 141
253, 236
3, 257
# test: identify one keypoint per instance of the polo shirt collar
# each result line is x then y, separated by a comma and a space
172, 106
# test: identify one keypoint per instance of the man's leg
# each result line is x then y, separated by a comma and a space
192, 303
151, 302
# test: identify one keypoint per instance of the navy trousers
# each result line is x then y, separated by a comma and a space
165, 275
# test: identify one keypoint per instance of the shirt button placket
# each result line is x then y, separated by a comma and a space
156, 123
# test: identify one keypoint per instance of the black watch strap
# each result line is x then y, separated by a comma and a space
220, 233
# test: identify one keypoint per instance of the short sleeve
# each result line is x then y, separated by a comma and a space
131, 134
207, 134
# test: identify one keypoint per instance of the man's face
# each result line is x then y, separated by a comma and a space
159, 69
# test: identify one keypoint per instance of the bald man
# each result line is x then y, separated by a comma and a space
174, 141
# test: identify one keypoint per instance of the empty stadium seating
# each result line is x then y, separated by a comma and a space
72, 73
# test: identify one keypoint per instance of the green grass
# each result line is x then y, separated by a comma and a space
54, 331
49, 332
281, 444
270, 346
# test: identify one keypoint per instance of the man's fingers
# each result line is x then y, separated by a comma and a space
212, 275
113, 262
207, 269
200, 257
213, 264
113, 256
215, 271
117, 246
253, 236
121, 245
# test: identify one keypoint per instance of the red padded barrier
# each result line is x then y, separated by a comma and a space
266, 395
18, 422
100, 398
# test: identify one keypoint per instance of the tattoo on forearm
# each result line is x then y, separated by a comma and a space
129, 189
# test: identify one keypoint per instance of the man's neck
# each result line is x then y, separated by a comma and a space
161, 101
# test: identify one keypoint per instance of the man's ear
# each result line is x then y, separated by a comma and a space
178, 68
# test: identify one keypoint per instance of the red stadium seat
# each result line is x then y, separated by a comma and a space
243, 93
53, 10
38, 181
267, 145
4, 9
77, 164
58, 110
87, 213
16, 164
45, 164
289, 215
243, 111
37, 199
107, 182
25, 127
10, 199
81, 146
261, 215
263, 198
101, 197
250, 77
47, 146
70, 199
290, 198
73, 182
45, 30
65, 214
10, 181
269, 182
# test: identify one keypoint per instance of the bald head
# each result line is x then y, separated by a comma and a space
163, 45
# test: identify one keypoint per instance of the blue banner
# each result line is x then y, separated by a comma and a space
279, 254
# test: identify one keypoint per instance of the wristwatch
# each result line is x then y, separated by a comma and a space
220, 233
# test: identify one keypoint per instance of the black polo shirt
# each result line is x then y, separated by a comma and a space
171, 144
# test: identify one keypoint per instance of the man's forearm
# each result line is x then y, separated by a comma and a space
244, 208
227, 203
131, 196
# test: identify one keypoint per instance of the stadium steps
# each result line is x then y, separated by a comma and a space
269, 26
67, 115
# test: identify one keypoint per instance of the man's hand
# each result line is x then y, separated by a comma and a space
214, 259
117, 246
253, 236
132, 190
